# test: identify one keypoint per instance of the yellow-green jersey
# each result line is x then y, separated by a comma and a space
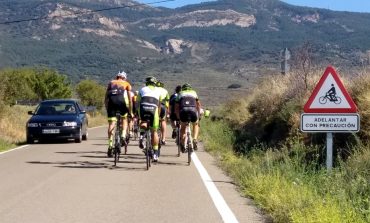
164, 96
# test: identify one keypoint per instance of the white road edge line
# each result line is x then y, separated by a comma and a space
17, 148
220, 203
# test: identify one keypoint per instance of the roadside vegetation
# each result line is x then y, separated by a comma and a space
257, 142
22, 89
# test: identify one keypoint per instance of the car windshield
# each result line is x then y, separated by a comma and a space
56, 108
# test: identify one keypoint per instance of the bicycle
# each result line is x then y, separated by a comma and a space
323, 99
188, 142
148, 149
117, 139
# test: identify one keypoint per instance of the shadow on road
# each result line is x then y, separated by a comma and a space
74, 164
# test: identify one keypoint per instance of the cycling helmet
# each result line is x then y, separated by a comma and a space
150, 80
186, 87
122, 74
178, 88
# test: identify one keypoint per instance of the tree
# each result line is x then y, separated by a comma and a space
303, 60
16, 85
91, 93
48, 84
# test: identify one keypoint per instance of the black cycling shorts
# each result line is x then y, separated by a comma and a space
189, 115
116, 104
149, 113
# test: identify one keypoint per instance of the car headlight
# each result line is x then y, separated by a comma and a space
33, 124
70, 124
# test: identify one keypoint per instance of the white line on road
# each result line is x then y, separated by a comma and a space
21, 147
220, 203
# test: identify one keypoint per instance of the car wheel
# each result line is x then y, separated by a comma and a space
30, 140
84, 137
79, 138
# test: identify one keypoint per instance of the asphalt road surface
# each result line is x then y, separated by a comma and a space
71, 182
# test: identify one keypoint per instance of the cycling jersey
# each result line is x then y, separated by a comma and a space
187, 100
164, 102
116, 101
149, 98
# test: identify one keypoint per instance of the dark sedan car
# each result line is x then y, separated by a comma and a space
58, 119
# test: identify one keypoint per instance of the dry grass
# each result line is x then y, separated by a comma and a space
13, 124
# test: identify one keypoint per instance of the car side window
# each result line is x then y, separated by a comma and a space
80, 107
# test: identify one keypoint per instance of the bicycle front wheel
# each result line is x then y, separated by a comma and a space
338, 101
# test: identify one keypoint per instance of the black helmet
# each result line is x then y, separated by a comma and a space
186, 87
150, 80
178, 88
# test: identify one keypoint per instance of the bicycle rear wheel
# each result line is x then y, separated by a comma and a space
148, 150
189, 148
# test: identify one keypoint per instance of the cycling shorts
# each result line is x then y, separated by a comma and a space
149, 113
189, 114
116, 104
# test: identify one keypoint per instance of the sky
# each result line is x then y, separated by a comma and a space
338, 5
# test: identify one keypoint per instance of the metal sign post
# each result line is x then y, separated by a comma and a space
329, 150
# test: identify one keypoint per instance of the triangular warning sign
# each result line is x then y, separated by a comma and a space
330, 96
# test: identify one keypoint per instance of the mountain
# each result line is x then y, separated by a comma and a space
211, 44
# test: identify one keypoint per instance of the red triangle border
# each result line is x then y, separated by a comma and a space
330, 70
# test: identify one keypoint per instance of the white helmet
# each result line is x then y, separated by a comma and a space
122, 74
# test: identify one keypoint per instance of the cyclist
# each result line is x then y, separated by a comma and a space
188, 109
173, 116
164, 110
149, 98
332, 93
115, 102
207, 113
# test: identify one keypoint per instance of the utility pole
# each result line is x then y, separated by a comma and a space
285, 56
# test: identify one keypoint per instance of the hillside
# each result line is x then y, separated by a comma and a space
227, 41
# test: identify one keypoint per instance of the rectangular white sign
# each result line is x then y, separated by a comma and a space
330, 122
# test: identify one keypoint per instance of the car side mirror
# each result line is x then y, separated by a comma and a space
83, 112
30, 112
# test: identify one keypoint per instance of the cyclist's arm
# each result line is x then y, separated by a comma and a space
199, 106
128, 89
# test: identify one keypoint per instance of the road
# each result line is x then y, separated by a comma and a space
76, 182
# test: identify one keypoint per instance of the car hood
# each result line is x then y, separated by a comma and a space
53, 118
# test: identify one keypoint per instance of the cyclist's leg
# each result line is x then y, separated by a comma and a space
154, 122
163, 124
195, 122
173, 125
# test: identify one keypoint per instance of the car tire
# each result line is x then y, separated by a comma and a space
84, 137
30, 140
79, 138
